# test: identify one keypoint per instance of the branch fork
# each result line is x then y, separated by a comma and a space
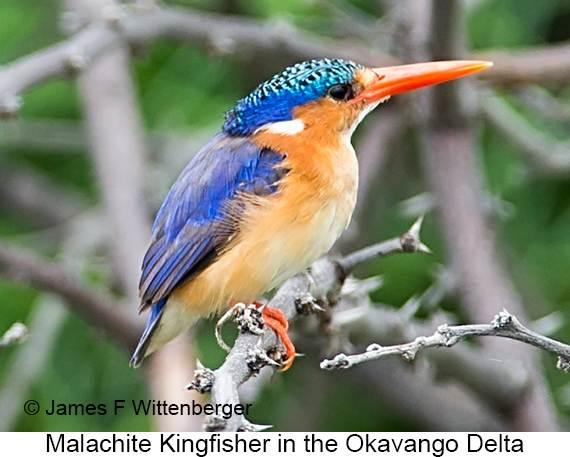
503, 325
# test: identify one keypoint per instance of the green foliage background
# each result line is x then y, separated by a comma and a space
184, 89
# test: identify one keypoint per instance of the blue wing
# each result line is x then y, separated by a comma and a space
193, 226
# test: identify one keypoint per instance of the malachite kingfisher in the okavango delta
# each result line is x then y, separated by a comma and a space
268, 195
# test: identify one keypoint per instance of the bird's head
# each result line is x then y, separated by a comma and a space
332, 92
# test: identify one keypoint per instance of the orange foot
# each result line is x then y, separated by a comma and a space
275, 319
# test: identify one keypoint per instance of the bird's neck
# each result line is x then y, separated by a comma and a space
316, 142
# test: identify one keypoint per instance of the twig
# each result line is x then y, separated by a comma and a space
467, 365
31, 358
504, 325
543, 153
54, 61
542, 102
409, 242
539, 65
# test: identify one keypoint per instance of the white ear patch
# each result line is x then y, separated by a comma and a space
284, 127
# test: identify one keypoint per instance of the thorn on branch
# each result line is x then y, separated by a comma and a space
203, 379
409, 242
249, 427
76, 61
257, 358
563, 364
307, 304
502, 320
215, 423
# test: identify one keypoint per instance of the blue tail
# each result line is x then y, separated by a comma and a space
152, 324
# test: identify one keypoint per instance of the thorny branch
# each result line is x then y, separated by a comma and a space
504, 325
320, 283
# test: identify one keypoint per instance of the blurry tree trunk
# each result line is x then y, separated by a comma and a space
116, 136
452, 170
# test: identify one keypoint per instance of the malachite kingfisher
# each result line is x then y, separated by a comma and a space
268, 195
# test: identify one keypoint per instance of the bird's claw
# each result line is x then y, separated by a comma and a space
275, 319
252, 318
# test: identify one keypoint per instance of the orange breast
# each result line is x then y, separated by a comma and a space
282, 234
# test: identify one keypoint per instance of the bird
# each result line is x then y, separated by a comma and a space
268, 195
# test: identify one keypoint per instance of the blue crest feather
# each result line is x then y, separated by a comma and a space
274, 100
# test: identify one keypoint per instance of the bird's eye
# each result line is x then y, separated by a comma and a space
341, 92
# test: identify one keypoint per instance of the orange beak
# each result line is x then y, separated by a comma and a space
403, 78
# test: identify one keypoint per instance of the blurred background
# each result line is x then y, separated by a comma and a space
102, 104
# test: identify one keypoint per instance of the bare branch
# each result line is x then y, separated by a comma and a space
504, 325
545, 64
409, 242
36, 197
323, 279
141, 27
95, 307
544, 154
52, 62
496, 385
229, 34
